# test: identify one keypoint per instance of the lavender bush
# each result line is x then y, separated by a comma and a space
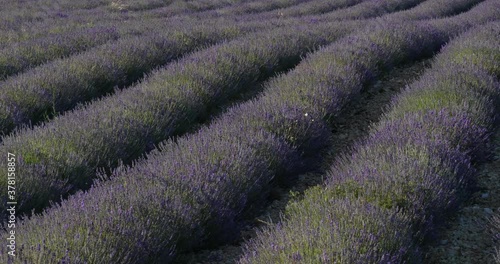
416, 162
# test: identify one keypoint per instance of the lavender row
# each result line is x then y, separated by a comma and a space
328, 11
436, 9
315, 7
397, 10
65, 23
380, 202
408, 10
63, 155
33, 53
180, 8
197, 187
257, 6
370, 9
60, 85
58, 19
159, 9
14, 13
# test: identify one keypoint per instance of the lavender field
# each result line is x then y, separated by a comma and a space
250, 131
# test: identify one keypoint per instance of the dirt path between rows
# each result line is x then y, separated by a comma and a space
351, 126
467, 236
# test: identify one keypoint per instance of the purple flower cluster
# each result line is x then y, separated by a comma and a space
414, 167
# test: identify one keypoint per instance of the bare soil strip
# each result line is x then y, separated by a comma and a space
352, 125
466, 237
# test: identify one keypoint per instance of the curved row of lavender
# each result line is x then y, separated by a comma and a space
408, 10
392, 9
436, 9
343, 10
192, 191
330, 11
60, 85
389, 9
157, 9
194, 7
63, 155
315, 7
14, 13
33, 53
61, 22
380, 202
369, 9
253, 7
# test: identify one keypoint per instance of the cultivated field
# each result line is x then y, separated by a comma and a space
249, 131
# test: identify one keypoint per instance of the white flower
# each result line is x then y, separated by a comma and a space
305, 114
